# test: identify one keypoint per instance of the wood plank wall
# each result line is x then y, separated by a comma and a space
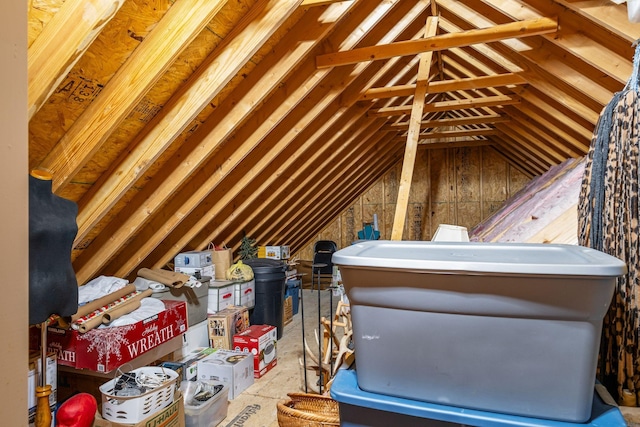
460, 186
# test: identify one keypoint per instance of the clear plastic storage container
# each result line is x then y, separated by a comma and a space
205, 403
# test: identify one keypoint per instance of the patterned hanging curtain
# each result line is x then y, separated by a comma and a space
608, 218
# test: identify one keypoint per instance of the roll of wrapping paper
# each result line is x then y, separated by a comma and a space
120, 311
166, 277
94, 319
96, 304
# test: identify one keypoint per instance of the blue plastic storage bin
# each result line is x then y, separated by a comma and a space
359, 408
293, 289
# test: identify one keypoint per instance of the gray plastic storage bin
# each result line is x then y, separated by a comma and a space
504, 327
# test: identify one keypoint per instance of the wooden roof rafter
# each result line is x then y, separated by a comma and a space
134, 217
294, 106
181, 24
79, 22
335, 146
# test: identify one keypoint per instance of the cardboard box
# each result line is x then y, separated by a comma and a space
171, 416
209, 271
187, 367
225, 324
34, 379
193, 259
261, 341
103, 350
273, 252
196, 336
287, 315
79, 381
233, 368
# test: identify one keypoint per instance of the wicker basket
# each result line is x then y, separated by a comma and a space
308, 410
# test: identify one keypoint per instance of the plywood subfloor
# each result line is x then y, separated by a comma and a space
256, 406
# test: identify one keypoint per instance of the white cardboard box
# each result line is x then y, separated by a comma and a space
193, 259
261, 341
233, 368
273, 252
187, 366
209, 270
195, 337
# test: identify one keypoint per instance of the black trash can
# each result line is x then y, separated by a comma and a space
270, 280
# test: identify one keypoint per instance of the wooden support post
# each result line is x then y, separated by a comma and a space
422, 85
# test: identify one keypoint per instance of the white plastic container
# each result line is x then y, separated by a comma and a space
207, 414
502, 327
221, 295
245, 294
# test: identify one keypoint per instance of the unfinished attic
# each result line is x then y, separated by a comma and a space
187, 125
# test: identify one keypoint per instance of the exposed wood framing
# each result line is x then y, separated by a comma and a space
450, 105
445, 41
413, 134
174, 32
425, 124
77, 24
173, 128
447, 86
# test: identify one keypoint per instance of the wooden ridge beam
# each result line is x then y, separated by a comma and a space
447, 86
175, 31
489, 101
499, 32
62, 43
413, 134
461, 121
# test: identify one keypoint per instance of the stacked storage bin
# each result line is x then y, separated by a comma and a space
507, 330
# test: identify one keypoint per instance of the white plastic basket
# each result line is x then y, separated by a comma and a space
133, 409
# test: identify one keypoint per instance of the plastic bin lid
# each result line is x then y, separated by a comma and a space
265, 265
345, 390
480, 257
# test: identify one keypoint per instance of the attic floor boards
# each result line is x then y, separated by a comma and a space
256, 406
